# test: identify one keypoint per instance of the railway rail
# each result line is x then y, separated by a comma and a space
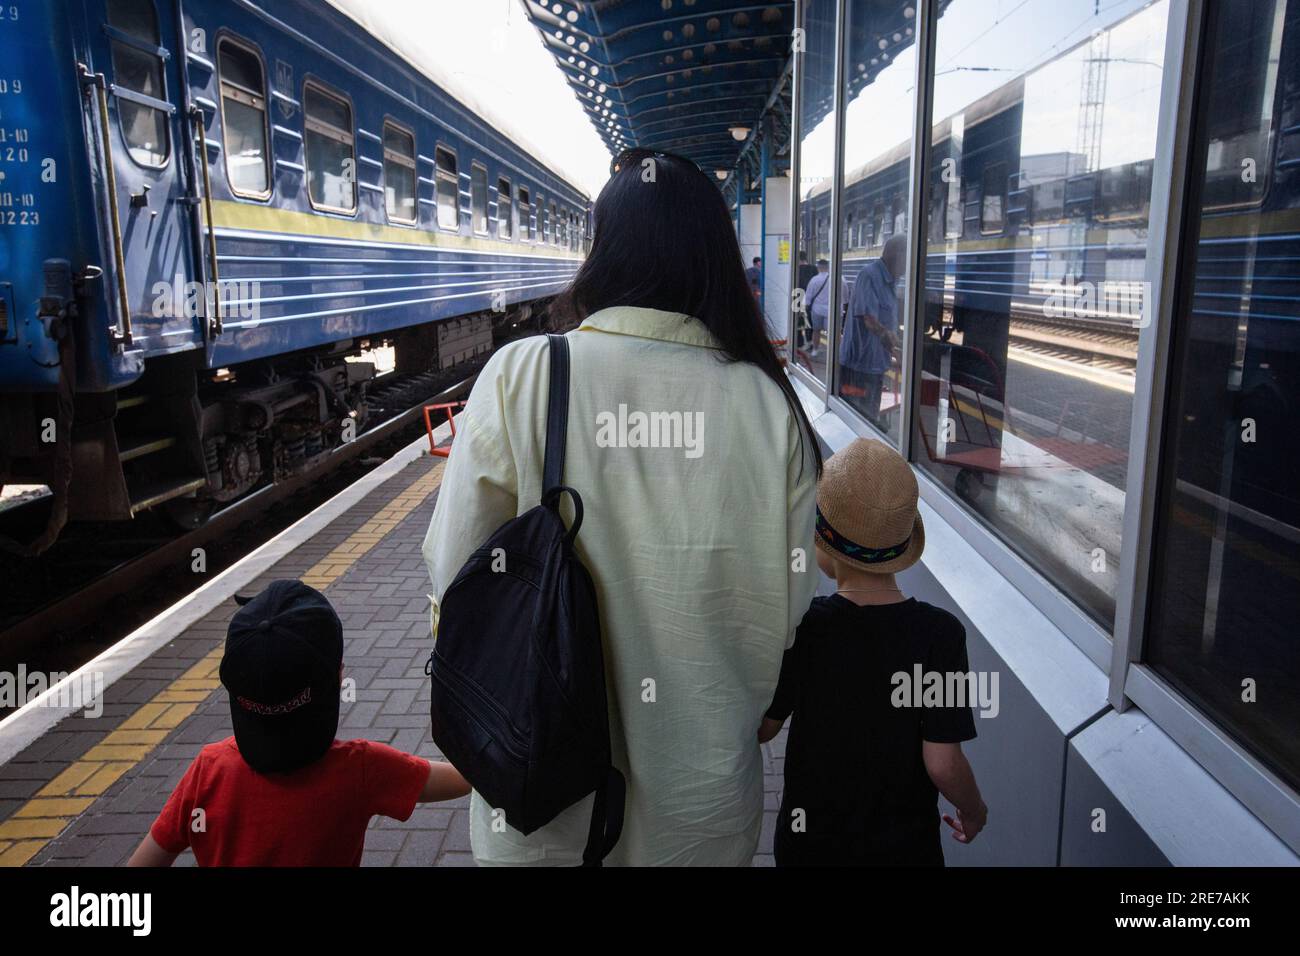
97, 585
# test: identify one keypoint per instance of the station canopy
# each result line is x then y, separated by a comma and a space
693, 77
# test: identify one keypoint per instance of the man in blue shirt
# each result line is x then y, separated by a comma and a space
871, 327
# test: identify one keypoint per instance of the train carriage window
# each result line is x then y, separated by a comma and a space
525, 216
330, 148
543, 223
478, 198
244, 119
145, 128
1240, 132
448, 179
993, 205
400, 174
505, 224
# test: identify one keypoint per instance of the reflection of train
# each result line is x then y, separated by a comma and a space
1007, 233
207, 209
1042, 236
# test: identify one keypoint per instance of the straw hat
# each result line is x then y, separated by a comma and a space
866, 509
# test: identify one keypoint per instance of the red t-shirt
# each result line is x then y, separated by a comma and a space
314, 816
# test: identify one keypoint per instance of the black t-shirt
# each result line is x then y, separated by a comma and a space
853, 762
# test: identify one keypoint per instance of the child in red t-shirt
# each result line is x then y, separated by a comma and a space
282, 791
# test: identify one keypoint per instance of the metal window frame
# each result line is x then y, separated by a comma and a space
907, 367
524, 211
239, 43
1234, 767
1131, 682
836, 280
441, 174
509, 193
161, 104
476, 166
818, 387
329, 130
409, 162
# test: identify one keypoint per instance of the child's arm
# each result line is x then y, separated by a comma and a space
149, 853
444, 783
783, 700
951, 774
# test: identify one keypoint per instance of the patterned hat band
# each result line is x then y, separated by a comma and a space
851, 549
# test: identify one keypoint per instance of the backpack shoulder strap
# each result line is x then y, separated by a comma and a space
557, 413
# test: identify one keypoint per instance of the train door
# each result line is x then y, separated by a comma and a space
136, 61
137, 446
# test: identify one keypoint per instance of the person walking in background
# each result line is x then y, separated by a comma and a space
818, 301
690, 539
871, 328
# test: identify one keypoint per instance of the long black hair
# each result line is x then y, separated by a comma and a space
663, 239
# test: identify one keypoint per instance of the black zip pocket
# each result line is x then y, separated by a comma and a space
481, 709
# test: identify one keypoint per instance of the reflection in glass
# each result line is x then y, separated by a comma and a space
399, 174
526, 232
816, 131
1038, 187
143, 127
243, 109
505, 224
1225, 595
478, 199
880, 76
448, 188
328, 147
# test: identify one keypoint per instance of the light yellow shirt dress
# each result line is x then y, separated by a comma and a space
701, 551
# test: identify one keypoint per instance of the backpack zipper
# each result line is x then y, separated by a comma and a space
506, 734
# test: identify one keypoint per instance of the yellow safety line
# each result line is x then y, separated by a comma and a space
45, 816
331, 567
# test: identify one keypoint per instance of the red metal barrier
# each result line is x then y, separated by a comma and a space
428, 426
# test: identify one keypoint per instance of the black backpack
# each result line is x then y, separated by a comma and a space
518, 699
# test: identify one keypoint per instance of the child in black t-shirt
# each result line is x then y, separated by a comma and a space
869, 749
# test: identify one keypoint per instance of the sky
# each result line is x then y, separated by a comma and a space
493, 48
982, 44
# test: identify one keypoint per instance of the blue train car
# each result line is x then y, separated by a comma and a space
207, 207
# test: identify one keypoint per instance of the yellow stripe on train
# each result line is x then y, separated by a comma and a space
256, 218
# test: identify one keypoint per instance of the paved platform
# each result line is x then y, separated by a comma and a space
85, 791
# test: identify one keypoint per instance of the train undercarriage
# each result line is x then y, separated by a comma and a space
189, 440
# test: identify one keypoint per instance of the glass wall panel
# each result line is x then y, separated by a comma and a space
879, 78
1225, 594
1037, 203
816, 131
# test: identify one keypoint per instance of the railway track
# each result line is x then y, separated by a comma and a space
97, 585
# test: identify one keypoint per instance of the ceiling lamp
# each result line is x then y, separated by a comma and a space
738, 133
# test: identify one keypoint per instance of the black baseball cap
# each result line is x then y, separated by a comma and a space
284, 649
